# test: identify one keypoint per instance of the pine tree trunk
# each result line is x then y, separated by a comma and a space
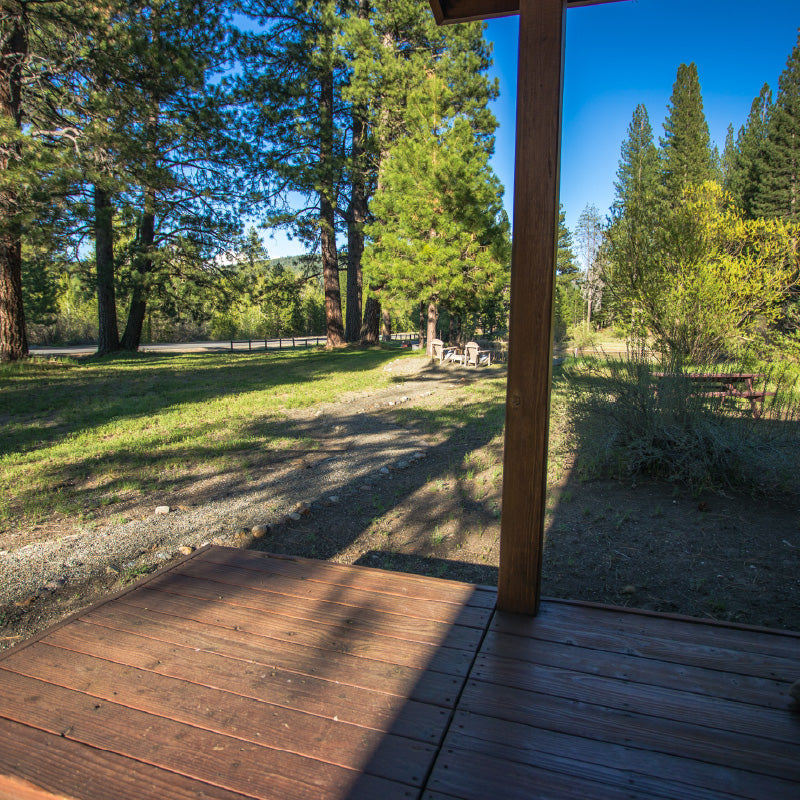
422, 323
138, 308
13, 339
355, 232
357, 213
433, 318
386, 327
330, 263
108, 334
372, 315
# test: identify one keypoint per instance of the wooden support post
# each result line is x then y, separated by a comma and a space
536, 179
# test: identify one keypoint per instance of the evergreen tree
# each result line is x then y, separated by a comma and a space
440, 236
390, 47
179, 156
635, 217
686, 153
40, 55
778, 192
744, 158
291, 81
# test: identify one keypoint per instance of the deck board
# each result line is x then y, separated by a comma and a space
237, 675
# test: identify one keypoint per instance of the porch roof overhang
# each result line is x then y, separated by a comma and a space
448, 12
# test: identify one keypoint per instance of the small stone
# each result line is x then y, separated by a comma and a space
26, 602
162, 509
55, 585
295, 516
186, 549
403, 465
334, 498
403, 399
420, 454
391, 402
384, 470
629, 589
259, 531
302, 508
111, 570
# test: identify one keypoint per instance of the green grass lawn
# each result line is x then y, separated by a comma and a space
81, 434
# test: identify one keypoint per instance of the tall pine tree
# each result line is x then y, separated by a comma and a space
778, 192
686, 153
635, 218
744, 157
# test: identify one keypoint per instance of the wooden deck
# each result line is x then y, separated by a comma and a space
239, 675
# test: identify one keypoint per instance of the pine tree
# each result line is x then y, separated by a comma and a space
40, 54
744, 158
440, 237
635, 217
390, 48
778, 192
686, 153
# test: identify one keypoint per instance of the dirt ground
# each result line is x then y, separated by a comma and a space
646, 544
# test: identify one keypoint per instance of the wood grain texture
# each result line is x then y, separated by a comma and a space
188, 687
533, 259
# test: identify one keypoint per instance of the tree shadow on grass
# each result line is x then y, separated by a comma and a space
47, 401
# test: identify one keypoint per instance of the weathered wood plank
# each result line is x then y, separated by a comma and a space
527, 744
51, 762
196, 638
642, 729
342, 639
625, 667
670, 702
221, 760
675, 648
766, 642
370, 579
233, 586
533, 259
324, 738
475, 776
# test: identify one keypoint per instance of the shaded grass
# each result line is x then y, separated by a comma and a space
79, 435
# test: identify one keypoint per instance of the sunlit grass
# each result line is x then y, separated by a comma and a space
78, 435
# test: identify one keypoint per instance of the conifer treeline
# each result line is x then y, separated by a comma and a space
138, 138
701, 250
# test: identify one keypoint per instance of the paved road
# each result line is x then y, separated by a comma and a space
190, 347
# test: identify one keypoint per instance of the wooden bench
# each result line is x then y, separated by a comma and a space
721, 384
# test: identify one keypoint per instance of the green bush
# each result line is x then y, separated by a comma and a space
623, 427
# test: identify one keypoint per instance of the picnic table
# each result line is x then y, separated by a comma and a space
722, 384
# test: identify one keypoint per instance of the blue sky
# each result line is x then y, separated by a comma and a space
625, 53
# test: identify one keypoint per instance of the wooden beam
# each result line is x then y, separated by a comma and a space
533, 259
448, 12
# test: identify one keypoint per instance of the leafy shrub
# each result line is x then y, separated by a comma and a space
622, 426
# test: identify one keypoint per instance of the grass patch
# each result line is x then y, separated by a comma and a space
79, 435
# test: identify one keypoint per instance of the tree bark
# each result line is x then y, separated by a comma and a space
357, 213
330, 263
108, 333
13, 338
386, 327
422, 323
138, 308
433, 318
372, 314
